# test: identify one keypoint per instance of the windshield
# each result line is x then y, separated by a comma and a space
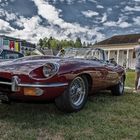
85, 53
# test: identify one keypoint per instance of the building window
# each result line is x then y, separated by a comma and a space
125, 52
134, 55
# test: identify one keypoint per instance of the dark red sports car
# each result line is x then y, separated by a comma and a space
68, 80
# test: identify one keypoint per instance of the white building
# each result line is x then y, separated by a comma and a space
121, 49
16, 44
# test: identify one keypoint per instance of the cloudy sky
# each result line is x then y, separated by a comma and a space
92, 20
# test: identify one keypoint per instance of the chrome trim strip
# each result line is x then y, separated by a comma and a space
43, 86
36, 85
15, 84
5, 83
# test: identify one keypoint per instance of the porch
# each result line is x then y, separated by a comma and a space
123, 56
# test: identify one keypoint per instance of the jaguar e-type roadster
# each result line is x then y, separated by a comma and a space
67, 80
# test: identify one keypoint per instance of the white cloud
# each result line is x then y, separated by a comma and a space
39, 31
47, 11
8, 16
136, 8
109, 10
120, 23
4, 3
68, 1
124, 25
52, 15
90, 13
110, 23
5, 26
29, 24
93, 1
30, 28
33, 31
104, 18
100, 6
136, 20
2, 12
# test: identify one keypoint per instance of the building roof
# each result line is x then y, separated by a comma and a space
10, 38
120, 39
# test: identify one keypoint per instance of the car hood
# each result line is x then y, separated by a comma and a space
24, 67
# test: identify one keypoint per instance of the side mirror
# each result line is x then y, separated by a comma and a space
112, 60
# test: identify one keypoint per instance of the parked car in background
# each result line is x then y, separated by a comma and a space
67, 80
8, 55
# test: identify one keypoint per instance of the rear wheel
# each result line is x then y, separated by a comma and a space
118, 89
75, 97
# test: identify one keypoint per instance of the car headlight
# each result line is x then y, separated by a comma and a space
50, 69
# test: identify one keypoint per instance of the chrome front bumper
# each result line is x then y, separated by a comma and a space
15, 84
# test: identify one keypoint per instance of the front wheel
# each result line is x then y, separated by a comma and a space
75, 97
118, 89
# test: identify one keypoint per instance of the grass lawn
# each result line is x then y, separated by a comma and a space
105, 117
130, 78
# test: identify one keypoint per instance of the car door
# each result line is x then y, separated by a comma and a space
100, 71
112, 76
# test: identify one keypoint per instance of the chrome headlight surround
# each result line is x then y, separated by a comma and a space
50, 69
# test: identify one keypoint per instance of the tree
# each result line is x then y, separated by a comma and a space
78, 43
40, 43
55, 44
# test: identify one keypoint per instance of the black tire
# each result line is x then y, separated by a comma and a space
118, 89
66, 103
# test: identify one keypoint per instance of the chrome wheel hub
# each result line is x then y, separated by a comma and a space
77, 91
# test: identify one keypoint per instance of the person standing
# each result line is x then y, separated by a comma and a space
137, 65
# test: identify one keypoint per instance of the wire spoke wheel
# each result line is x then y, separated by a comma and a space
77, 91
75, 96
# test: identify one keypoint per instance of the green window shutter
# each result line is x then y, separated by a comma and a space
1, 42
6, 42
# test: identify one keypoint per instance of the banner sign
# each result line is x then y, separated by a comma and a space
17, 46
12, 45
